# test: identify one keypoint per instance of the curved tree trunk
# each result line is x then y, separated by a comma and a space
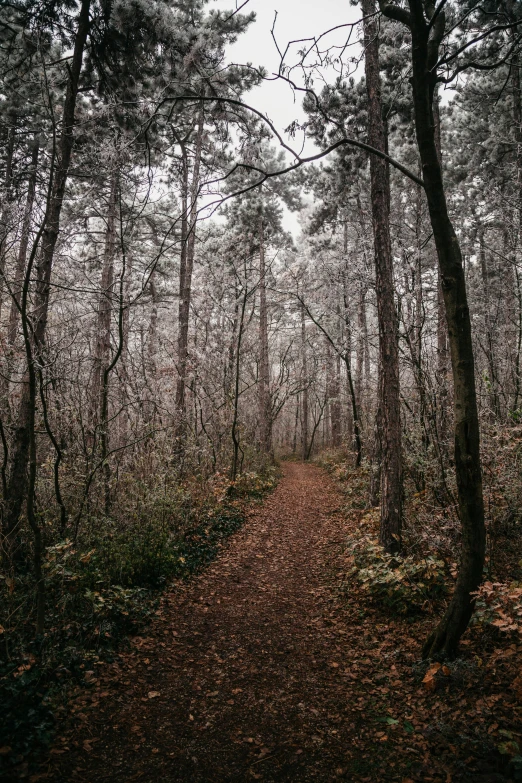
426, 38
22, 465
21, 481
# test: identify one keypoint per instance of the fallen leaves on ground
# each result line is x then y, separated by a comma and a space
269, 666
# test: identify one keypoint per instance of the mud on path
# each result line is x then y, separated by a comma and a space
239, 678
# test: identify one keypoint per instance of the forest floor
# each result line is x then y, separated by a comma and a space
263, 668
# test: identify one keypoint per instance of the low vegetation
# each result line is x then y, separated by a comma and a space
102, 589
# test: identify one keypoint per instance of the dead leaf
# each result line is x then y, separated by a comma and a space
429, 680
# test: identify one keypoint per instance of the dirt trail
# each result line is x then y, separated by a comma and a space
260, 670
240, 676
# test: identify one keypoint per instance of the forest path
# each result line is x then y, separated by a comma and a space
239, 678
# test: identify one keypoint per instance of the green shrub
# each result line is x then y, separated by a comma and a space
400, 584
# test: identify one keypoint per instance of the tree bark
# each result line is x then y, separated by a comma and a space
489, 344
443, 642
100, 397
5, 219
105, 306
442, 329
19, 484
265, 407
517, 127
189, 219
354, 401
21, 260
304, 385
235, 467
391, 472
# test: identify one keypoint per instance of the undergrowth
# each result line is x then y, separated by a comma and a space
405, 588
100, 589
422, 577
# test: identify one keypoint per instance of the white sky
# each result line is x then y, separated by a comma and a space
296, 19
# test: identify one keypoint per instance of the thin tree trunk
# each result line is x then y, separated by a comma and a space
125, 377
336, 404
103, 339
229, 364
105, 305
442, 329
186, 268
21, 260
517, 126
391, 473
355, 402
304, 385
182, 320
489, 348
265, 412
235, 419
151, 353
6, 216
16, 287
296, 424
23, 449
359, 360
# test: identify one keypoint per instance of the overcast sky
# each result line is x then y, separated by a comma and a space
296, 19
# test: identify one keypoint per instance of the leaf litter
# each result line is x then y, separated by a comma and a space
269, 666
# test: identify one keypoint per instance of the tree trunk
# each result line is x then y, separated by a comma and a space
336, 404
425, 47
517, 126
391, 472
304, 385
442, 329
103, 339
16, 289
265, 412
150, 355
354, 401
6, 216
105, 306
488, 347
23, 447
188, 239
234, 469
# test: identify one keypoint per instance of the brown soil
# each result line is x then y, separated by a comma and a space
257, 670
